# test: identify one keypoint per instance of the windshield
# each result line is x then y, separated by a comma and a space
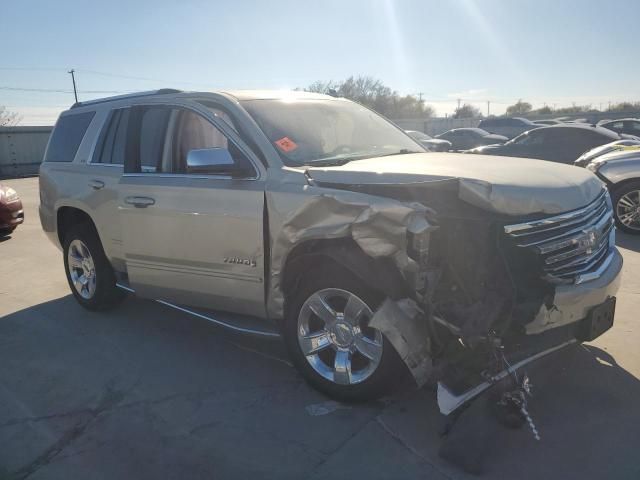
418, 135
479, 131
328, 131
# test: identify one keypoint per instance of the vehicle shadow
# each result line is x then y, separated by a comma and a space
584, 406
628, 241
143, 391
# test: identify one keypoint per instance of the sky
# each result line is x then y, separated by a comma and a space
547, 52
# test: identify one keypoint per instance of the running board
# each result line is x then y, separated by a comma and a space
237, 323
449, 402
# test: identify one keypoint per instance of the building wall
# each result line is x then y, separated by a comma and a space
22, 149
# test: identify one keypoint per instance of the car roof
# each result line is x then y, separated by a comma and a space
277, 95
239, 95
583, 126
621, 120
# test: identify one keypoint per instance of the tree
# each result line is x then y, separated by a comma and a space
467, 111
374, 94
624, 106
543, 111
7, 118
518, 108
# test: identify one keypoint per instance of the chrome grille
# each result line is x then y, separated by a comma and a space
573, 245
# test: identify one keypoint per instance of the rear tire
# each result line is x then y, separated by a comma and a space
89, 273
367, 377
626, 207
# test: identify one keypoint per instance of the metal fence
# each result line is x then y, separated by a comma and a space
22, 149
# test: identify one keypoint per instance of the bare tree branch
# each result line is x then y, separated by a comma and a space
7, 118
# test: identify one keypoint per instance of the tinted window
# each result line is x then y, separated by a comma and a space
633, 127
67, 136
112, 145
535, 137
153, 129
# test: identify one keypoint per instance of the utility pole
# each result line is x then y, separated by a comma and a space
420, 96
488, 108
73, 79
458, 104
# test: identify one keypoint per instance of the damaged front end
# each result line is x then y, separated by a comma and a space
487, 288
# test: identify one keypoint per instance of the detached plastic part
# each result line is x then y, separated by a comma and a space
449, 402
405, 326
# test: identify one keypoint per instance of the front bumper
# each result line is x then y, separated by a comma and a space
11, 215
572, 303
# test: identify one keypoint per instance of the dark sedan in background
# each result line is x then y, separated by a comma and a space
558, 143
11, 213
433, 144
466, 138
510, 127
630, 126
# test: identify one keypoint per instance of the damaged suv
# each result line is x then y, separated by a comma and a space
312, 217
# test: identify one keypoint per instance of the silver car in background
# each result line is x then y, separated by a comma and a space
620, 171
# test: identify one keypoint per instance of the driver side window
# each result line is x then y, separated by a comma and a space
192, 132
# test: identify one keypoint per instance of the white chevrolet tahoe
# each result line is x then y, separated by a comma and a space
313, 218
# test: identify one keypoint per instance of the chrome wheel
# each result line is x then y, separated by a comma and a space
628, 209
335, 337
82, 270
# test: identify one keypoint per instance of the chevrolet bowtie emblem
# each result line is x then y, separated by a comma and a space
588, 240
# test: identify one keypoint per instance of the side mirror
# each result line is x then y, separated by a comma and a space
210, 160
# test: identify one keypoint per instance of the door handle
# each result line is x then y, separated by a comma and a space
96, 184
140, 202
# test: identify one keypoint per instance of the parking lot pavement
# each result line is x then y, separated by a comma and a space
146, 392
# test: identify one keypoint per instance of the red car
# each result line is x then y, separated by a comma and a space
11, 213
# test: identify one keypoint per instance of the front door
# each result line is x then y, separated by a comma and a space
191, 237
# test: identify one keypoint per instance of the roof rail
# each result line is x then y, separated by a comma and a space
161, 91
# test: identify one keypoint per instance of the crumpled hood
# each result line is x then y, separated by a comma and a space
511, 186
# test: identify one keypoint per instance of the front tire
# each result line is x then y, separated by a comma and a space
89, 273
626, 207
327, 334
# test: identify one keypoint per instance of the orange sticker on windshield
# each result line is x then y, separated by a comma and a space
286, 144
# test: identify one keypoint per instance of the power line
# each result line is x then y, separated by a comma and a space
55, 90
146, 79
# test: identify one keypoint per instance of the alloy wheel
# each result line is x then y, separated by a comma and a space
335, 337
82, 270
628, 209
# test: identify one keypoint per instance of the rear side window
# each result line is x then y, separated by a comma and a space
112, 144
67, 136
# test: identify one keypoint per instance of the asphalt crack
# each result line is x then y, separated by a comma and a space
110, 399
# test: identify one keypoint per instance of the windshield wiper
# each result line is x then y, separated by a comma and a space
404, 151
342, 160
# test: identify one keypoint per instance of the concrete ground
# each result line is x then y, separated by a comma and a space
145, 392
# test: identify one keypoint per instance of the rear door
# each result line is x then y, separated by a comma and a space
105, 168
191, 238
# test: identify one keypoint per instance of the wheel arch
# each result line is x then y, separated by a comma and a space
68, 216
380, 274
